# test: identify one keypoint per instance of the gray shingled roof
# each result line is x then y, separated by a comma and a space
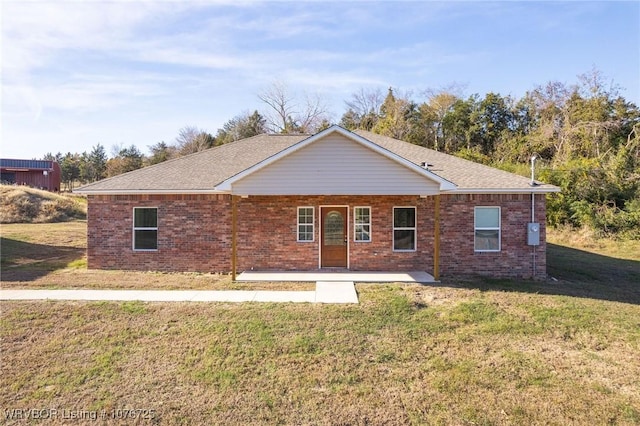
201, 171
204, 170
466, 174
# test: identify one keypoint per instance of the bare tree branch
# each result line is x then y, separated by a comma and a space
281, 104
366, 101
190, 139
286, 115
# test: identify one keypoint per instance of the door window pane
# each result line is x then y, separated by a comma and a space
334, 229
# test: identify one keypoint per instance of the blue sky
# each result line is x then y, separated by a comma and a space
75, 74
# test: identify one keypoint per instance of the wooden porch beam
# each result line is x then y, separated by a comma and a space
436, 243
234, 237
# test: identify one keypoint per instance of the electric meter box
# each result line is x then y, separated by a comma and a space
533, 234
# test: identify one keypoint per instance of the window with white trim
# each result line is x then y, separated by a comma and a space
362, 224
404, 229
487, 229
305, 224
145, 228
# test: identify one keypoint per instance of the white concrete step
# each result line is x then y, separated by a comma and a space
336, 292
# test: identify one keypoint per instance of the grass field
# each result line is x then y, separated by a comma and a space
475, 352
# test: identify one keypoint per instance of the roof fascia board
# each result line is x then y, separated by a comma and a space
505, 190
148, 191
209, 191
445, 185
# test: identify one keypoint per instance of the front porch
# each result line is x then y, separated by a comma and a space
338, 275
291, 233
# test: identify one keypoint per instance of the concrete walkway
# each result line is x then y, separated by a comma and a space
333, 292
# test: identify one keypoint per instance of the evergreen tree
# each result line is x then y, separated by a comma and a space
70, 170
161, 152
97, 163
240, 127
128, 159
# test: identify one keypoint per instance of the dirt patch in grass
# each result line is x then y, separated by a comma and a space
472, 357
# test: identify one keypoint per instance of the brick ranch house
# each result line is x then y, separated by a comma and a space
338, 199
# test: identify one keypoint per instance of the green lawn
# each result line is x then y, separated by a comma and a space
475, 352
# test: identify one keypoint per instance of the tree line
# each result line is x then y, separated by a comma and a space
585, 136
94, 165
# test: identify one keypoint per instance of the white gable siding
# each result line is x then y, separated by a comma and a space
335, 165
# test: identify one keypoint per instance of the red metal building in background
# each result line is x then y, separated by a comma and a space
42, 174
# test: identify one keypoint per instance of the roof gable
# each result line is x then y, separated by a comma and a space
336, 162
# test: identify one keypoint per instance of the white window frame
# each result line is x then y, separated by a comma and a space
312, 224
356, 224
414, 229
476, 228
143, 228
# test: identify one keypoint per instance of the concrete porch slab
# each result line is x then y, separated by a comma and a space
329, 275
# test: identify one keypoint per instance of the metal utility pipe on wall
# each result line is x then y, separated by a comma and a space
533, 212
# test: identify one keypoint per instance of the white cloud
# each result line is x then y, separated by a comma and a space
35, 32
40, 35
78, 94
95, 64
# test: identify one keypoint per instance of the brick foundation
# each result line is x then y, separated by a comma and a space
194, 234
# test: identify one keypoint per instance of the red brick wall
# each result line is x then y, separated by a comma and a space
195, 234
515, 259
